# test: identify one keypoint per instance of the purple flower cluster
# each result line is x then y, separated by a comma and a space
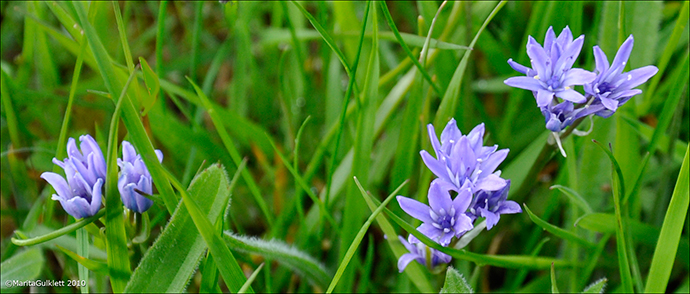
552, 74
465, 166
81, 194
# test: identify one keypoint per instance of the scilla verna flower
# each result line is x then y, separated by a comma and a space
443, 218
81, 194
491, 205
418, 252
612, 88
552, 73
464, 159
134, 175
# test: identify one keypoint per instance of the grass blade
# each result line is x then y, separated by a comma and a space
59, 232
227, 265
251, 278
358, 239
558, 232
25, 266
574, 197
230, 147
281, 252
671, 230
621, 243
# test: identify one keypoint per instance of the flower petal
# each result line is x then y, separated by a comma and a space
77, 207
491, 218
621, 58
96, 197
578, 76
601, 60
58, 183
434, 140
439, 198
519, 67
544, 97
491, 182
637, 77
610, 104
571, 95
526, 83
414, 208
404, 260
540, 61
509, 207
490, 165
462, 224
436, 166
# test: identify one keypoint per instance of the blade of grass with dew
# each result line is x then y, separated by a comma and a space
671, 230
618, 188
230, 147
448, 104
215, 179
24, 266
353, 214
358, 239
168, 265
280, 251
133, 123
556, 231
414, 269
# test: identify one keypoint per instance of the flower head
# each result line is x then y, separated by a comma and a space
444, 218
560, 116
612, 88
491, 205
552, 73
134, 175
418, 252
463, 159
80, 195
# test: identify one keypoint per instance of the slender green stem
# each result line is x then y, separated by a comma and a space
59, 232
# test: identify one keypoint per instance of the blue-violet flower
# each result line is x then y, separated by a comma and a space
80, 195
418, 252
134, 175
552, 73
612, 88
443, 218
491, 205
463, 159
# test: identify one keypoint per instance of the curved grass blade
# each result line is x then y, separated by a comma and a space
414, 269
92, 265
558, 232
449, 102
671, 230
358, 239
621, 244
422, 70
251, 279
229, 145
281, 252
574, 197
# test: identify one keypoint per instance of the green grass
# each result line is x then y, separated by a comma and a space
297, 98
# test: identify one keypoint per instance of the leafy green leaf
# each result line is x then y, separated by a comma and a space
152, 86
566, 235
596, 287
24, 266
283, 253
455, 282
168, 265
